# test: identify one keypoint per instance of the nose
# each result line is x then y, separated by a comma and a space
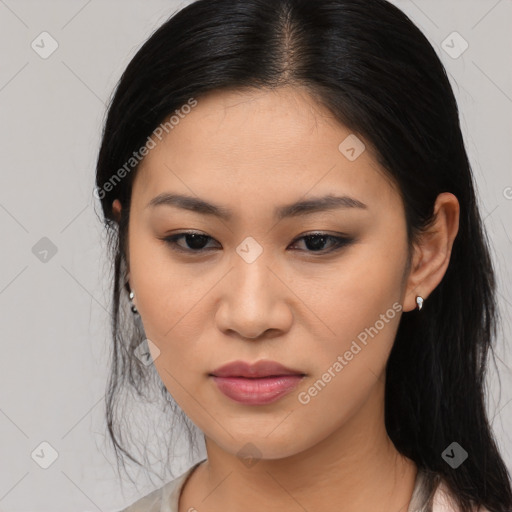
255, 302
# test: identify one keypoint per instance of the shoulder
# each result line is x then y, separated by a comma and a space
444, 501
152, 502
432, 494
164, 499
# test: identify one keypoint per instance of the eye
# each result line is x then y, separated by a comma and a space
315, 242
195, 241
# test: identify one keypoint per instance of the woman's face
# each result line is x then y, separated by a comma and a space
253, 288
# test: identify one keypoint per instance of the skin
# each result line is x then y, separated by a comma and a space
252, 151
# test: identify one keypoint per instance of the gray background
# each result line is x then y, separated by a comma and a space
54, 313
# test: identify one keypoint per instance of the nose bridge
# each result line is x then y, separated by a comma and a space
252, 278
250, 303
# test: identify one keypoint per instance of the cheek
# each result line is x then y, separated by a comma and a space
348, 365
165, 291
357, 290
360, 310
167, 297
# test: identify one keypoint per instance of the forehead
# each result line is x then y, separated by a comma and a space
261, 146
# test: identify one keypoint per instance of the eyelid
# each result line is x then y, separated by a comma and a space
341, 240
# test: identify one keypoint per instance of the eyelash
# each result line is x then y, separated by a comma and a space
339, 242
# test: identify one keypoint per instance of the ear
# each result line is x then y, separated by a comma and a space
432, 251
116, 209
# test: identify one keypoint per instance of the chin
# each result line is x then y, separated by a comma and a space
263, 443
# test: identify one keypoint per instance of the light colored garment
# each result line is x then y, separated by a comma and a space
166, 498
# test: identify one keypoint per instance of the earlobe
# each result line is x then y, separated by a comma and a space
116, 209
433, 250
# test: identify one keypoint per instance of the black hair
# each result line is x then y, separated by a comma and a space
368, 63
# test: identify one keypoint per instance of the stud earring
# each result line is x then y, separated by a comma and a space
134, 309
419, 302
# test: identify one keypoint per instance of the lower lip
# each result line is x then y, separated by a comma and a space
264, 390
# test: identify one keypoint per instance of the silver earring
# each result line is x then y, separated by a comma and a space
419, 302
134, 309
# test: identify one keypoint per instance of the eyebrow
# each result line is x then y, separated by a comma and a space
297, 209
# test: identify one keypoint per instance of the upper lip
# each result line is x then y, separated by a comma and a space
254, 370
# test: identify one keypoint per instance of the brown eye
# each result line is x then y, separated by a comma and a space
316, 242
194, 242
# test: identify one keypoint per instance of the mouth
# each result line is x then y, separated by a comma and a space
256, 370
256, 384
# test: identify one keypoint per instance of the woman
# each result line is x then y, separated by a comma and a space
294, 222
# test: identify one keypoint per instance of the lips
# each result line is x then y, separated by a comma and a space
260, 383
256, 370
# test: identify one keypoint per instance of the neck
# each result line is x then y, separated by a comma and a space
355, 469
